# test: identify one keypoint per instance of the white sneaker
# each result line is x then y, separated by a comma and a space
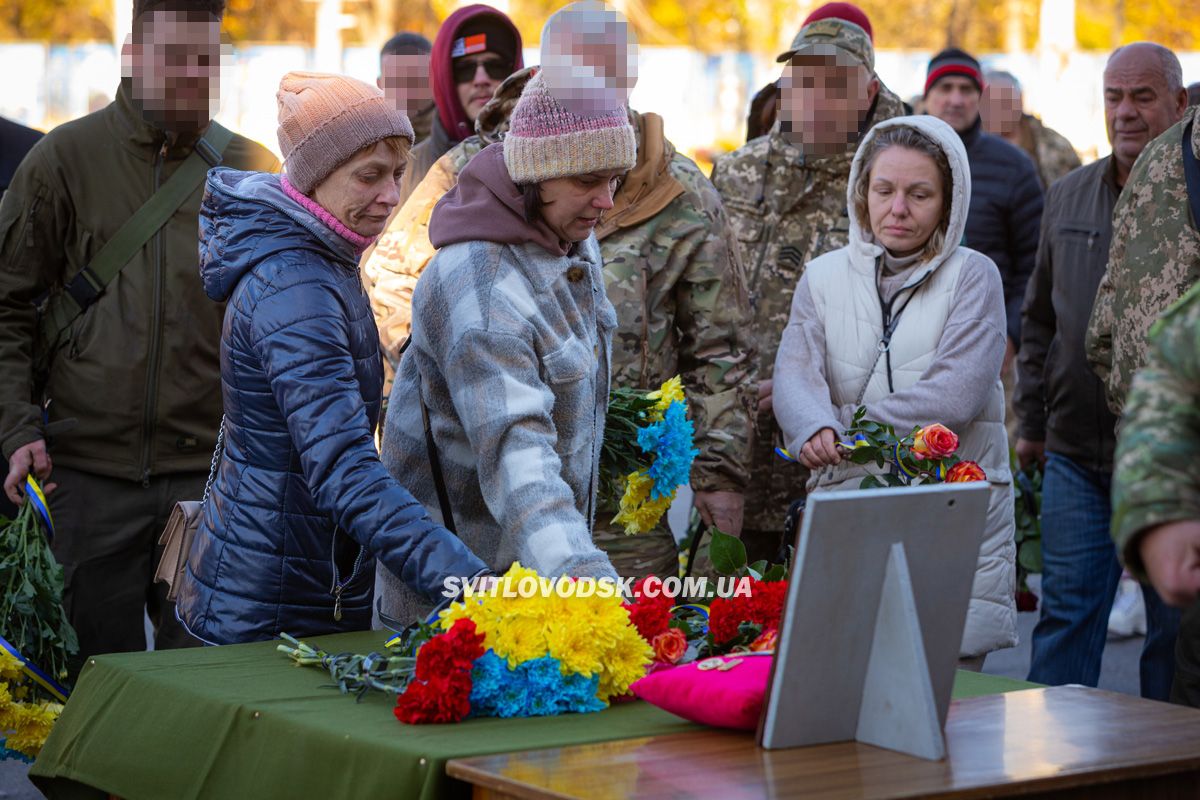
1128, 616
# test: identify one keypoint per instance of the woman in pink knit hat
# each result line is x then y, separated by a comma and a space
511, 330
300, 505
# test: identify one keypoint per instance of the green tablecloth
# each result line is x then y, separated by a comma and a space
243, 721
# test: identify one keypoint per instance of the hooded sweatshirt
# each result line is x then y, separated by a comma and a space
511, 333
485, 204
942, 365
451, 125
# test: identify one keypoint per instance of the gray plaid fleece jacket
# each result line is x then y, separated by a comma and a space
510, 349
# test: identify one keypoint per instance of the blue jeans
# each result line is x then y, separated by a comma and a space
1079, 581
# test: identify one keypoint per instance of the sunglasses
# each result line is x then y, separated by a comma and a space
465, 69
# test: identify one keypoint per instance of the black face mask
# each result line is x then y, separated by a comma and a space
466, 67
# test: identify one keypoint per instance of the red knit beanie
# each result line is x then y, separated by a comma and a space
848, 12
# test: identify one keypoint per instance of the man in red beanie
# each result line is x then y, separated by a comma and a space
476, 48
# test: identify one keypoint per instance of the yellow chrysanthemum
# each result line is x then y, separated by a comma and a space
587, 634
668, 393
11, 668
637, 512
626, 663
32, 727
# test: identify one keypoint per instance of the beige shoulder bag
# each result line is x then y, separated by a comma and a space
182, 525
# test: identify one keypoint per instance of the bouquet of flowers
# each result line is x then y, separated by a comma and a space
25, 720
924, 455
35, 637
524, 646
647, 453
745, 617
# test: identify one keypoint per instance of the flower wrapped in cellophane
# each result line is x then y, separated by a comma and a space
647, 453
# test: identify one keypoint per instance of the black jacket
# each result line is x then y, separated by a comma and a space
1059, 400
15, 141
1006, 207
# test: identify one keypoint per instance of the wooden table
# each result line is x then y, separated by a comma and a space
1062, 742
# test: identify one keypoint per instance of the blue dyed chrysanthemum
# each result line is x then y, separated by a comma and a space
670, 441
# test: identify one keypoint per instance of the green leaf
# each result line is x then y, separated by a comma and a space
1029, 556
728, 553
760, 566
777, 572
753, 573
870, 482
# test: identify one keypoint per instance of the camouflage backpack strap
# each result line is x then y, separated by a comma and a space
1191, 172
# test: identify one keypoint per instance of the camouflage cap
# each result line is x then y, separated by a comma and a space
826, 36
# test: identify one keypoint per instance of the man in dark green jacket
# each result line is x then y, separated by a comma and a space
137, 371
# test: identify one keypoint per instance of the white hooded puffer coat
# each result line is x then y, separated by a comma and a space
844, 290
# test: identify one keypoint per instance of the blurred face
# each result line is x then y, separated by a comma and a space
173, 60
1001, 108
572, 206
404, 80
1137, 103
904, 199
823, 100
362, 192
954, 99
476, 78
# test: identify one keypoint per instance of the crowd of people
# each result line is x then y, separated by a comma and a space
387, 361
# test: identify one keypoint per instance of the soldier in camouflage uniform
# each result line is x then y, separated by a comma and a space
1156, 487
787, 203
1154, 260
676, 281
1003, 114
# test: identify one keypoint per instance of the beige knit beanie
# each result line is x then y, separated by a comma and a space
326, 119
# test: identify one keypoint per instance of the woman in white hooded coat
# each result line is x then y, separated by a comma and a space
905, 321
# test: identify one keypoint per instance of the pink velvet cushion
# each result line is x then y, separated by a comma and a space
730, 698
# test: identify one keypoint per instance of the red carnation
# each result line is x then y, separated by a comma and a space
452, 651
650, 615
443, 698
764, 607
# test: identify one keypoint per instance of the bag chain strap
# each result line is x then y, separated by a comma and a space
216, 459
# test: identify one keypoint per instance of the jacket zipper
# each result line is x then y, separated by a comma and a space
768, 232
340, 586
155, 334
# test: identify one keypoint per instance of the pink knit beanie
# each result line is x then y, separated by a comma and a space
572, 117
325, 119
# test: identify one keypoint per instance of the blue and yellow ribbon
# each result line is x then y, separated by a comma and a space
36, 498
36, 675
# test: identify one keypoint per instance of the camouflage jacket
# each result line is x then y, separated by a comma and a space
1156, 480
786, 210
670, 270
1153, 261
1052, 154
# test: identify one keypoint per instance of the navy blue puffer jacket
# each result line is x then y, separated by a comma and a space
301, 505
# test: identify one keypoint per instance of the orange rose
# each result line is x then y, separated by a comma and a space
934, 441
765, 641
965, 472
670, 646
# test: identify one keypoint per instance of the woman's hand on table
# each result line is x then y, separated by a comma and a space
821, 450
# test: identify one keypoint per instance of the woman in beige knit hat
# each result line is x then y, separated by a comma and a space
511, 334
300, 506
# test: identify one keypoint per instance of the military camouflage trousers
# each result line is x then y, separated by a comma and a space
637, 555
